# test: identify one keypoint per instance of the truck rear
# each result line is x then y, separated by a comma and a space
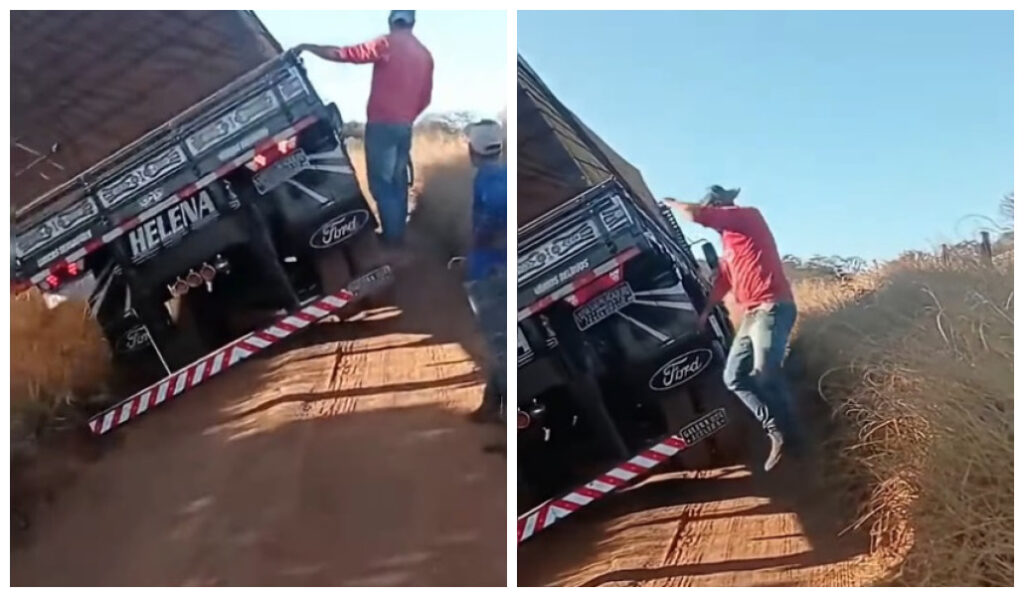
187, 175
610, 357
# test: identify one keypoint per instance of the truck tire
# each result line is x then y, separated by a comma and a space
365, 254
335, 273
680, 408
186, 342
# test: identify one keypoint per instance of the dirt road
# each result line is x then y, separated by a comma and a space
343, 461
721, 527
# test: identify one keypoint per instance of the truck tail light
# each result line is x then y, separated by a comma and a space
270, 154
19, 286
63, 273
598, 285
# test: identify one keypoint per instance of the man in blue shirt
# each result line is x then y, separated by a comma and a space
485, 273
486, 141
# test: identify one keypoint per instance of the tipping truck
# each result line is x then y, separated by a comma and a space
181, 169
610, 358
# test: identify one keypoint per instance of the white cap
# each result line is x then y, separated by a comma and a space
486, 137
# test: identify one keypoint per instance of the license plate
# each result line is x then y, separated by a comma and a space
280, 171
603, 306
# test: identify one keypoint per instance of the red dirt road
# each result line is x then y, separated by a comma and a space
722, 527
344, 461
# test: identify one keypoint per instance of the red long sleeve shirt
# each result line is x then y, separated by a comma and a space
403, 76
750, 259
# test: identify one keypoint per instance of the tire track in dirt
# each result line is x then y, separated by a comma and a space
721, 527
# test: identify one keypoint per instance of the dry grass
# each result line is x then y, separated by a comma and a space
58, 356
916, 363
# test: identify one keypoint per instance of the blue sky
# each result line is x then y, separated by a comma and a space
469, 48
856, 133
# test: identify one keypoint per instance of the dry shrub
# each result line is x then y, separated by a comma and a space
444, 189
916, 362
58, 356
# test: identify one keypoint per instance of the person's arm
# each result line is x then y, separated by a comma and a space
374, 50
687, 210
717, 218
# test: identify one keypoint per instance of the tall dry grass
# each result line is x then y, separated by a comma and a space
58, 357
915, 361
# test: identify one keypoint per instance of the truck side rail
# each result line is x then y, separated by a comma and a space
166, 129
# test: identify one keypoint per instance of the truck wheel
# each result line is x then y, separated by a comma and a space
526, 497
335, 273
186, 342
365, 254
680, 409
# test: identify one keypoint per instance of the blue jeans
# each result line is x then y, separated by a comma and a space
387, 170
753, 369
487, 299
483, 262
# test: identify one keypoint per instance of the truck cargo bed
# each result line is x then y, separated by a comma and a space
86, 83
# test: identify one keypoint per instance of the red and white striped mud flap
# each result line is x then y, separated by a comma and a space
235, 352
555, 509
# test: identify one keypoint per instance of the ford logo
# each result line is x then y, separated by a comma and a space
132, 340
680, 370
339, 229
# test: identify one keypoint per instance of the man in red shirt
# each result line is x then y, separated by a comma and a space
403, 73
752, 269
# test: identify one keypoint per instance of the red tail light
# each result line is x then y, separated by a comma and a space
19, 286
582, 295
61, 273
271, 154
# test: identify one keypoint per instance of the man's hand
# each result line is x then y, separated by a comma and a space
688, 210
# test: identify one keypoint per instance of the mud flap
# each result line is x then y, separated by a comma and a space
678, 408
730, 446
236, 351
548, 513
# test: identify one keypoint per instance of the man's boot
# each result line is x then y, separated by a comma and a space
774, 450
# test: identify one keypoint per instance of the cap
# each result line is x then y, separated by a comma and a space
405, 16
717, 195
486, 137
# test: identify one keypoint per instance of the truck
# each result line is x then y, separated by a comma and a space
180, 169
609, 355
